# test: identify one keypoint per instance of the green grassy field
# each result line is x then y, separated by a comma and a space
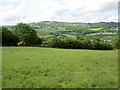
96, 29
36, 67
105, 33
70, 36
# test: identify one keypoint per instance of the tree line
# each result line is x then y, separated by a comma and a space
95, 44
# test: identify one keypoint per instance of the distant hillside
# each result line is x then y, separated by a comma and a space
50, 29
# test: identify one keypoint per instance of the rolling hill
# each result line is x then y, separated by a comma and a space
50, 29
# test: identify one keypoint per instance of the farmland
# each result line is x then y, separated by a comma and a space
38, 67
72, 30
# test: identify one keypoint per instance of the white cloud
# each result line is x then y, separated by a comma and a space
15, 11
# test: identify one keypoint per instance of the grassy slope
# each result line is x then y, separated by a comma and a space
35, 67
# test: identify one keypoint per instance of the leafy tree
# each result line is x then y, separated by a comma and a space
56, 42
27, 35
87, 44
76, 44
8, 38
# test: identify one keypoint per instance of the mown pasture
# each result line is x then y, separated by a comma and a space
37, 67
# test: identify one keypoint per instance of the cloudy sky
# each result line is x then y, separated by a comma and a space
16, 11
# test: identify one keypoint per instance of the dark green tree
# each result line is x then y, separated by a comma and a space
8, 38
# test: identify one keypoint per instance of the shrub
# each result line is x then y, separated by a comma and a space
106, 46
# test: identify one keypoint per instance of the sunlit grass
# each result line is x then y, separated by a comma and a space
35, 67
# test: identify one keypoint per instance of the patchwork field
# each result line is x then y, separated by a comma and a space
72, 30
36, 67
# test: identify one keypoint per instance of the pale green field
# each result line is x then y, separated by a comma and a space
70, 36
96, 29
36, 67
105, 33
45, 36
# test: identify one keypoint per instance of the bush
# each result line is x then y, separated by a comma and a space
106, 46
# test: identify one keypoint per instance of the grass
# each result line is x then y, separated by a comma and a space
104, 33
48, 30
70, 36
36, 67
45, 36
96, 29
